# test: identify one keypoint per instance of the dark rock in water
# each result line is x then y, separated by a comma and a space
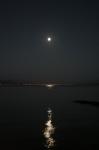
86, 102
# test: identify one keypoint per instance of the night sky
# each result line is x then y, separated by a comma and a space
74, 52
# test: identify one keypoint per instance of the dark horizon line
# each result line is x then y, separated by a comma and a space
43, 83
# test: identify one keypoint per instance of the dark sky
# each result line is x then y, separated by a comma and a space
74, 53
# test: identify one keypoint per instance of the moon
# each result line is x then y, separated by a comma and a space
49, 39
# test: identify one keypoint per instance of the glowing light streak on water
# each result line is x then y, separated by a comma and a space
49, 85
49, 131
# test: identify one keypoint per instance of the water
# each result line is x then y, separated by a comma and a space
23, 115
49, 131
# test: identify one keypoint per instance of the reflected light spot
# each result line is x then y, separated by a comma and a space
49, 85
49, 131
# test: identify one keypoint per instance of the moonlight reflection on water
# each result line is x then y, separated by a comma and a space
49, 131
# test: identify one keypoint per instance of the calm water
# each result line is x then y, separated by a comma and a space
23, 115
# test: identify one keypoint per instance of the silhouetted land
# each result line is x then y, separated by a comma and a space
5, 83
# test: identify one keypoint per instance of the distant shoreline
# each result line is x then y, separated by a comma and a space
21, 83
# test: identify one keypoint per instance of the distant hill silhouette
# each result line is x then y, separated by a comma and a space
41, 83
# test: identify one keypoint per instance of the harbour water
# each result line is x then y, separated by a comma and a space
23, 113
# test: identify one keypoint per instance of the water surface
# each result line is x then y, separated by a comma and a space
23, 114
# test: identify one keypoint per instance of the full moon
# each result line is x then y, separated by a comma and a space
49, 39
